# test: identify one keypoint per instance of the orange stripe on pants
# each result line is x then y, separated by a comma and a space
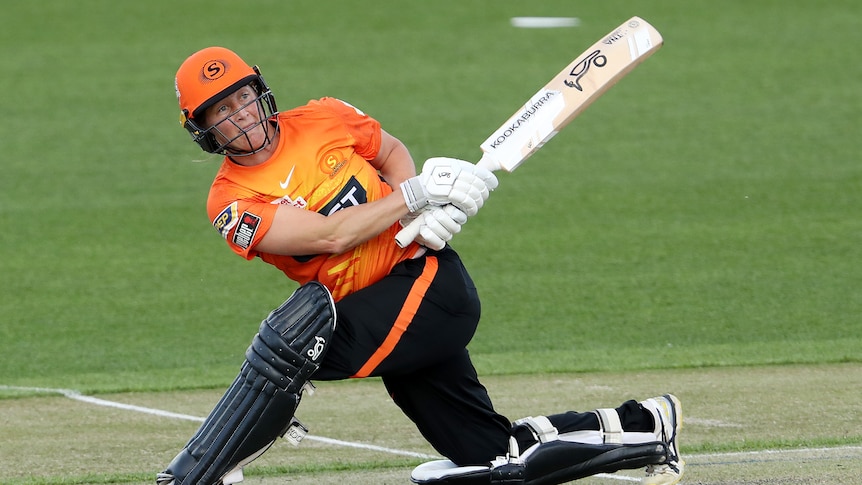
405, 317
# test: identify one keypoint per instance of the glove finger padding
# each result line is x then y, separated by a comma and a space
469, 193
455, 214
487, 176
429, 239
476, 184
449, 180
439, 225
447, 218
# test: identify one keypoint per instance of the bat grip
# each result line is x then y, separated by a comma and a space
409, 232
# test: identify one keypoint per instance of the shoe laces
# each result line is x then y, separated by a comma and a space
666, 468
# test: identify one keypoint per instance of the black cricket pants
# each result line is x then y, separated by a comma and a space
412, 329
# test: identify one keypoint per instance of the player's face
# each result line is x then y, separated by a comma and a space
238, 117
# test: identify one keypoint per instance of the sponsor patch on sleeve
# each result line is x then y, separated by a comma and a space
244, 235
226, 220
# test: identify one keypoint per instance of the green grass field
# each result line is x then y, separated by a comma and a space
704, 214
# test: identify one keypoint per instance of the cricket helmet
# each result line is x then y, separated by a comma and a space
207, 77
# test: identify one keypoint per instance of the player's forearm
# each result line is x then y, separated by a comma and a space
296, 232
358, 224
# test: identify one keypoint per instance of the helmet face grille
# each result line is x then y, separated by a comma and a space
214, 139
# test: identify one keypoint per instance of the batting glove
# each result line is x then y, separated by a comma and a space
449, 181
439, 225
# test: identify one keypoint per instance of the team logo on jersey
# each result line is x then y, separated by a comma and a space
332, 161
226, 220
244, 235
352, 194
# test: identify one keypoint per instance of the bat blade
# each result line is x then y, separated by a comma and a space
570, 92
562, 99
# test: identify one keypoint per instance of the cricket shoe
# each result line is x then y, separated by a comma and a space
667, 412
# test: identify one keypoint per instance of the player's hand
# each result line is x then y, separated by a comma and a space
439, 225
449, 181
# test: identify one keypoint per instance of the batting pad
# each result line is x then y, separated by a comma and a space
259, 406
549, 463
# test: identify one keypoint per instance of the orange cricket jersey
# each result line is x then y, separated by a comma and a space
320, 164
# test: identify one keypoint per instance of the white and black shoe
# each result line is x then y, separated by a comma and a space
667, 413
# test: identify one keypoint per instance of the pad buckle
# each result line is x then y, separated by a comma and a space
308, 388
295, 432
232, 477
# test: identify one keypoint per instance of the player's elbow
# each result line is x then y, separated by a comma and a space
331, 239
337, 245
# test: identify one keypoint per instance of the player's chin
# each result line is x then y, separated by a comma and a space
254, 140
242, 147
248, 144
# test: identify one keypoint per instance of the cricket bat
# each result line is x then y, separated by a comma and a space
567, 95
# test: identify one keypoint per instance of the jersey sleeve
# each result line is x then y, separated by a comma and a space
364, 129
241, 222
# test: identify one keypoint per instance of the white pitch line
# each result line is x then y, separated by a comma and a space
715, 423
617, 477
371, 447
77, 396
777, 453
73, 394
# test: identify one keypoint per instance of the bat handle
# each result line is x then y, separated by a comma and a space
409, 232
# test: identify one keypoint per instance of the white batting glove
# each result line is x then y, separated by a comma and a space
439, 225
449, 181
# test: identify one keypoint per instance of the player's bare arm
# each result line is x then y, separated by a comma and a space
296, 232
393, 161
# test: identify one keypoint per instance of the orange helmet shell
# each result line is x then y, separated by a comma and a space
208, 76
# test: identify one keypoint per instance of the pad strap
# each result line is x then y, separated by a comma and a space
612, 429
541, 427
